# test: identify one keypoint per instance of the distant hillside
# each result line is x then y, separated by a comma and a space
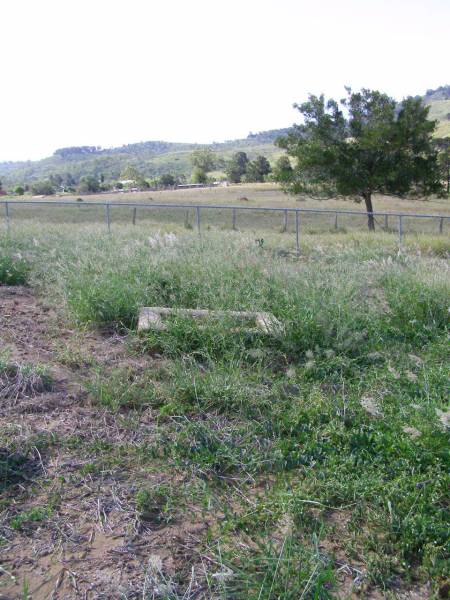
151, 158
439, 102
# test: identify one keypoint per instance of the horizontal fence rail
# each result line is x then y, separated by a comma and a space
198, 208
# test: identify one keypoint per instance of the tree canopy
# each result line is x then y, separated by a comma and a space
362, 145
257, 169
203, 161
443, 148
283, 171
89, 184
236, 167
42, 188
166, 180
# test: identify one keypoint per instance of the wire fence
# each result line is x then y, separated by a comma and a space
203, 216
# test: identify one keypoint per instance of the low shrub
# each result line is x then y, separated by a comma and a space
14, 270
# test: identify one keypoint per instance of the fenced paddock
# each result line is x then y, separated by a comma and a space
202, 217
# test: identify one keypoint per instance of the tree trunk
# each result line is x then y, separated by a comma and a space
370, 220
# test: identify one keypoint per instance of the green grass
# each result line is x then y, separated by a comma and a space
27, 518
319, 443
156, 504
122, 389
13, 269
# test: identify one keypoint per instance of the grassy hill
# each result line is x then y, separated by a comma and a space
440, 110
150, 158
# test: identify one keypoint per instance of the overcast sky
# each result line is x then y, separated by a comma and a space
110, 72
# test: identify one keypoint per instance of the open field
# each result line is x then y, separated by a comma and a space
218, 462
255, 195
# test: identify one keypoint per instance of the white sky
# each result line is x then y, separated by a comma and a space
109, 72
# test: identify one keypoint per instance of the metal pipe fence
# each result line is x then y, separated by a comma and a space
337, 214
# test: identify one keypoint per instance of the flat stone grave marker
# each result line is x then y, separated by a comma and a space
152, 317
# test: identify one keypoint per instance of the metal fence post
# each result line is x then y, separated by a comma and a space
134, 215
7, 216
297, 231
198, 219
386, 222
400, 229
441, 225
285, 224
234, 219
336, 221
108, 218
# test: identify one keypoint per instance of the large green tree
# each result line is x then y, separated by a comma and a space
257, 169
199, 175
89, 184
203, 161
283, 171
131, 173
443, 148
166, 180
42, 188
362, 145
237, 167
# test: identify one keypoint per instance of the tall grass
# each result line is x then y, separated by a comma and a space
325, 408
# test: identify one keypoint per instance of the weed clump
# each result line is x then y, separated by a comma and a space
156, 504
14, 270
22, 380
29, 517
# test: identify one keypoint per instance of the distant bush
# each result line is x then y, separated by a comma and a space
166, 180
199, 175
89, 184
19, 190
42, 188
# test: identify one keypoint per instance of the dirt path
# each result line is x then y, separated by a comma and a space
80, 536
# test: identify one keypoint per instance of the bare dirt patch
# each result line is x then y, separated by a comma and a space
69, 525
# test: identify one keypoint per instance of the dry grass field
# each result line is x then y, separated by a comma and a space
242, 196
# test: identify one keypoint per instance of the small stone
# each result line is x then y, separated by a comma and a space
370, 405
375, 356
444, 417
393, 372
412, 431
415, 359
